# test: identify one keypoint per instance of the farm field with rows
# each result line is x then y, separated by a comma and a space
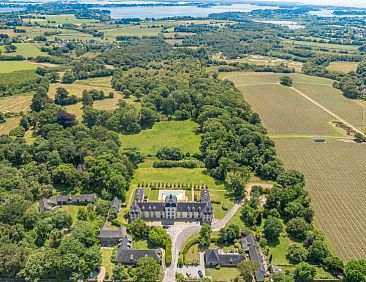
334, 170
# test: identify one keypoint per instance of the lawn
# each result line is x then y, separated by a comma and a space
140, 244
106, 260
10, 66
147, 174
72, 210
345, 67
168, 133
24, 49
279, 251
222, 273
192, 257
335, 177
60, 19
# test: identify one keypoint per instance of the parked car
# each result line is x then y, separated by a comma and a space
200, 274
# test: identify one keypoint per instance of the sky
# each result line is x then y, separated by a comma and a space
348, 3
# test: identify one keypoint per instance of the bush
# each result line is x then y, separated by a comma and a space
168, 254
169, 164
189, 245
170, 153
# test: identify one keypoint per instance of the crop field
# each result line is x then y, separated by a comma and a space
166, 133
132, 31
24, 49
335, 177
15, 103
9, 125
342, 66
320, 45
60, 19
334, 170
10, 66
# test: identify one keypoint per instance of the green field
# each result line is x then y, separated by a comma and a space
59, 19
222, 273
168, 133
342, 66
334, 171
131, 31
10, 66
106, 260
24, 49
320, 45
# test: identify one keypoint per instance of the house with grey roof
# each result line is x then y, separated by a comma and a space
46, 204
215, 257
110, 237
250, 246
116, 204
129, 256
172, 209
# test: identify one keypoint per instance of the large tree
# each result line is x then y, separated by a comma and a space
147, 270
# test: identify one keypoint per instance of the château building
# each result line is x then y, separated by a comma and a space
172, 209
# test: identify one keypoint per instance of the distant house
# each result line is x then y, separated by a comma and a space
116, 204
111, 237
47, 204
215, 257
127, 255
250, 246
171, 209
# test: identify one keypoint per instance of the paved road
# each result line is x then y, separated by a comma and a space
181, 231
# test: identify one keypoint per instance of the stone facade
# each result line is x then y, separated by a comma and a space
171, 209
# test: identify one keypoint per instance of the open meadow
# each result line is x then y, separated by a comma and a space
10, 66
342, 66
167, 133
24, 49
334, 170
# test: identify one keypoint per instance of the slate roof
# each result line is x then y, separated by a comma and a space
249, 244
47, 204
216, 257
116, 203
139, 195
171, 201
107, 232
204, 196
128, 256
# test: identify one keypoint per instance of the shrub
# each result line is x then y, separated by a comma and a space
168, 254
170, 153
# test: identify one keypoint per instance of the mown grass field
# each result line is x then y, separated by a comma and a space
342, 66
335, 177
167, 133
134, 30
15, 103
9, 125
334, 171
10, 66
60, 19
24, 49
320, 45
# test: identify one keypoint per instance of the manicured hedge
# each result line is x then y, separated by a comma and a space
169, 164
168, 254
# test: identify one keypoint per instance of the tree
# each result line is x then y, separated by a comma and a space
334, 265
65, 119
359, 137
355, 271
286, 80
169, 153
87, 99
247, 268
230, 233
139, 229
304, 272
10, 48
2, 118
291, 178
239, 179
318, 251
297, 253
298, 227
68, 77
205, 235
282, 277
158, 236
119, 272
272, 228
40, 99
147, 117
147, 270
